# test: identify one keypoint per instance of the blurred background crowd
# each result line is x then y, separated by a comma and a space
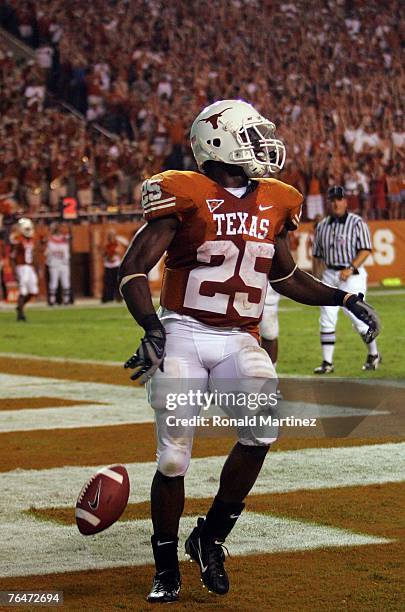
332, 79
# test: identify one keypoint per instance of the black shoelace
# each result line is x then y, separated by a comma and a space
216, 555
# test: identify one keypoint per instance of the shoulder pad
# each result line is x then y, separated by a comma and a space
286, 194
169, 193
179, 183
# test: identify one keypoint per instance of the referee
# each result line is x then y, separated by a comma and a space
342, 241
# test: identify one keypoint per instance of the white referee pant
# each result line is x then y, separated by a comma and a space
59, 273
269, 327
356, 283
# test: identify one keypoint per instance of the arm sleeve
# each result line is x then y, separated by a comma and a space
163, 198
363, 241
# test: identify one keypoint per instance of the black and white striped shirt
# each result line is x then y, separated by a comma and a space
338, 240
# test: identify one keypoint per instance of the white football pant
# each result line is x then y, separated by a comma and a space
59, 273
204, 358
27, 279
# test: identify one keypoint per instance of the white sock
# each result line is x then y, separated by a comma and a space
327, 352
372, 348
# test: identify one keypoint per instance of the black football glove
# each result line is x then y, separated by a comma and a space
365, 313
149, 356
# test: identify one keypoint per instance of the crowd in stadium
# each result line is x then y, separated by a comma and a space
332, 81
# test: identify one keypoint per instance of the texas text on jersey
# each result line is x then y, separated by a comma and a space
217, 266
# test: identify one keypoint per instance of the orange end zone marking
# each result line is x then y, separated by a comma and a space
66, 370
358, 578
28, 403
362, 509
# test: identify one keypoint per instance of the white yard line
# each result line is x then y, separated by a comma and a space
80, 303
30, 547
377, 292
14, 385
61, 359
330, 379
383, 382
119, 405
132, 412
314, 468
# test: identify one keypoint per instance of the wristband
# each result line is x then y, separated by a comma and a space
128, 278
278, 280
151, 322
340, 297
352, 298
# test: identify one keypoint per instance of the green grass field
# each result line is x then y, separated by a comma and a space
109, 333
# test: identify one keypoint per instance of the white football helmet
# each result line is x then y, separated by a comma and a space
26, 227
233, 132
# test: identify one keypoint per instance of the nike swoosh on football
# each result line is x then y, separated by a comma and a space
265, 207
94, 504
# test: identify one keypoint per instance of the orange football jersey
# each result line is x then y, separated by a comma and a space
23, 251
217, 266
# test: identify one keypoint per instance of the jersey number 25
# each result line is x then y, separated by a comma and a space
220, 274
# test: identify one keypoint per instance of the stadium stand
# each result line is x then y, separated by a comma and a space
146, 68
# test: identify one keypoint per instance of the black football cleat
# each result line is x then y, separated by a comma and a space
210, 556
324, 368
20, 314
165, 587
372, 362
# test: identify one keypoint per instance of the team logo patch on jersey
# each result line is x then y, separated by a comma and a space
214, 204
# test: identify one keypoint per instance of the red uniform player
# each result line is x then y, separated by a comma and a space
224, 231
23, 247
233, 237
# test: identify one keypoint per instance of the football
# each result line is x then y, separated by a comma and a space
102, 499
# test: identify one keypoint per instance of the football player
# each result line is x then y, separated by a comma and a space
57, 253
22, 254
224, 230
